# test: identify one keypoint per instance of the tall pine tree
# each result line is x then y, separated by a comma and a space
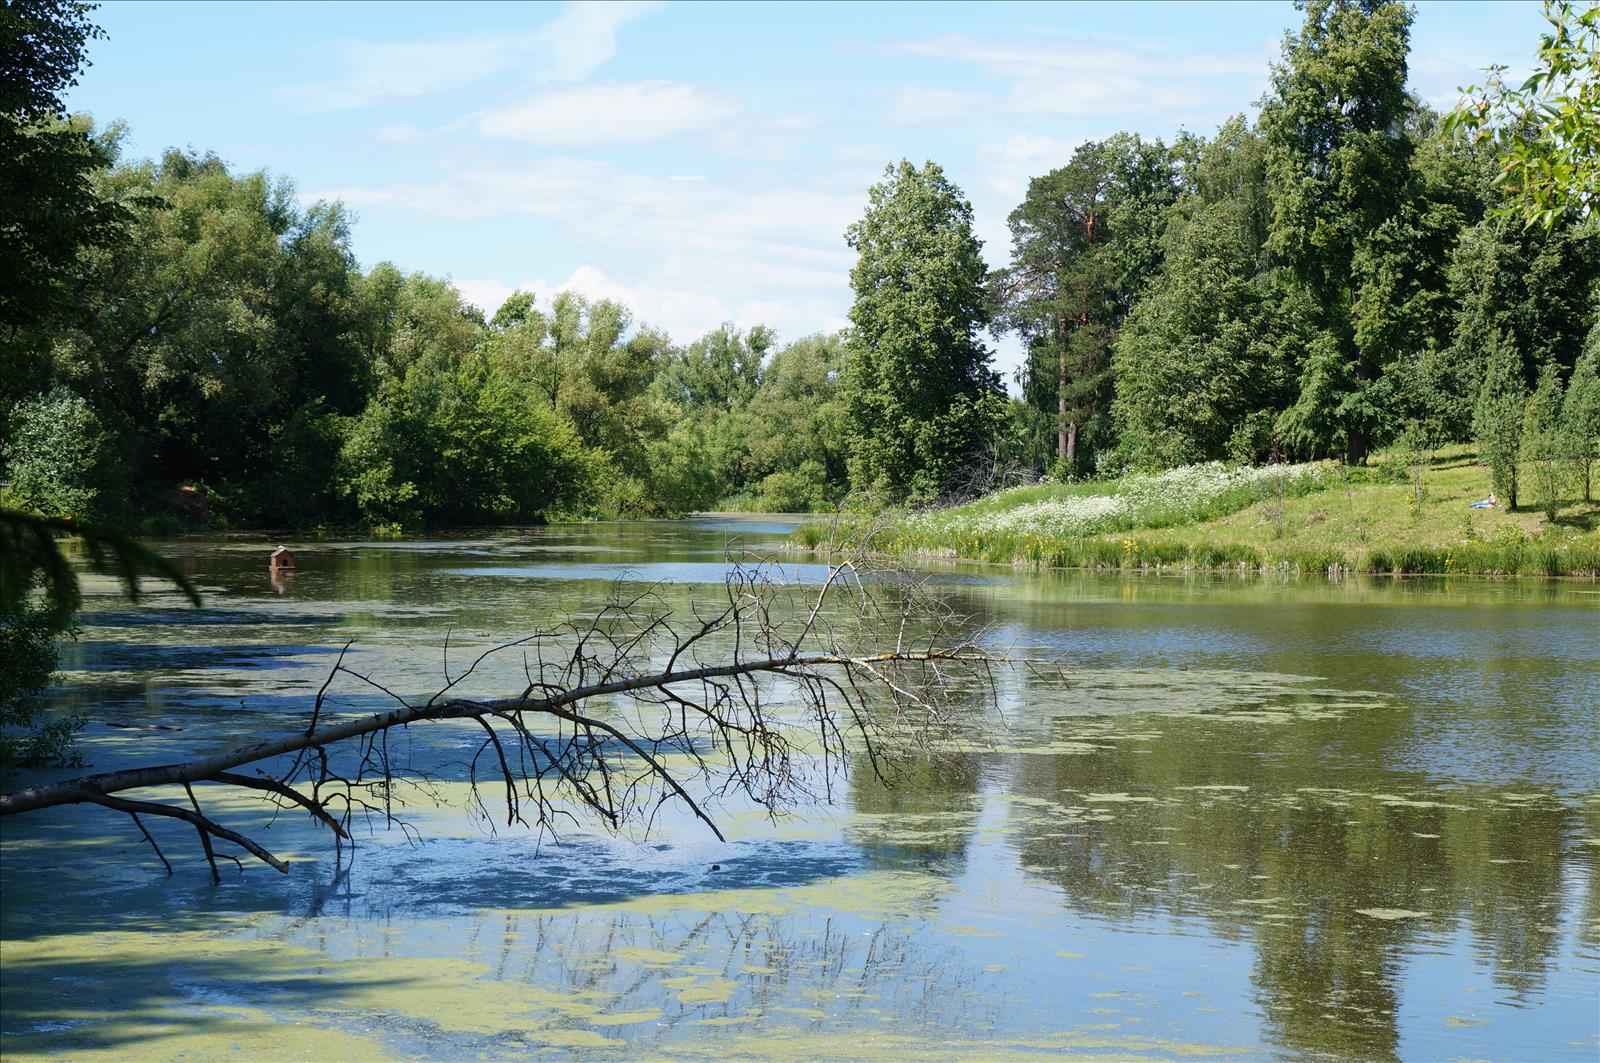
1086, 243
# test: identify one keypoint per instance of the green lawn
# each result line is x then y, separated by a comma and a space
1308, 519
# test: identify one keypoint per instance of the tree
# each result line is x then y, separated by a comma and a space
796, 415
1318, 422
1497, 418
1536, 286
28, 659
919, 394
1085, 243
59, 458
1540, 451
721, 370
206, 336
1336, 168
49, 206
1402, 313
454, 441
1580, 413
1200, 364
693, 713
1548, 129
589, 365
1190, 363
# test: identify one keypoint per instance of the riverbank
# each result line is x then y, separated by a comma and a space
1317, 517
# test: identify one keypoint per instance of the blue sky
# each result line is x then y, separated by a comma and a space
697, 161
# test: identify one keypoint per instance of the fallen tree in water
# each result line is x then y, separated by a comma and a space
713, 699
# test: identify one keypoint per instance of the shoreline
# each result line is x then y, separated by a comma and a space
1532, 559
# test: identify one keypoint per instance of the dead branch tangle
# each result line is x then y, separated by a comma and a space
617, 715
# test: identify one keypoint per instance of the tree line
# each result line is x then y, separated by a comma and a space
220, 351
184, 342
1345, 273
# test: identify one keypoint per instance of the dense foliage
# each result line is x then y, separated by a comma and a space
222, 357
920, 398
184, 343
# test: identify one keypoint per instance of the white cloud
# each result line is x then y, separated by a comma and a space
583, 38
683, 313
920, 105
607, 113
485, 293
1009, 164
693, 253
620, 210
570, 47
1080, 77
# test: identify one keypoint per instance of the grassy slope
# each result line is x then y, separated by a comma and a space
1376, 526
1365, 523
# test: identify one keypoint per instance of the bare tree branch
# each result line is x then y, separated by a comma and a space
621, 712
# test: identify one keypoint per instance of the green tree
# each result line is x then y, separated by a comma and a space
1317, 424
1580, 413
588, 363
406, 318
50, 207
1086, 241
39, 593
1200, 364
919, 394
28, 660
455, 442
209, 333
1497, 418
1547, 130
797, 416
59, 460
1402, 314
1189, 363
721, 370
1535, 285
1336, 169
1540, 450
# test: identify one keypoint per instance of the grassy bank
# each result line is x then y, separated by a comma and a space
1305, 518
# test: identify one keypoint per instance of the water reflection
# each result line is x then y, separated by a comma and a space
1275, 818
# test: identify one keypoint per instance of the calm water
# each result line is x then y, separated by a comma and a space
1255, 819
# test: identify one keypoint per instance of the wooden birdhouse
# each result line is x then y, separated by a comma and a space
281, 558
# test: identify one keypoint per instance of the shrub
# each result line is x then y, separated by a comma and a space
59, 459
801, 490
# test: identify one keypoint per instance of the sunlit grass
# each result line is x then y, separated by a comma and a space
1307, 518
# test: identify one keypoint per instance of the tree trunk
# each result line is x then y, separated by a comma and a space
1355, 451
1063, 446
1072, 444
1358, 445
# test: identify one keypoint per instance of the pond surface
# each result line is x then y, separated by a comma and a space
1252, 819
